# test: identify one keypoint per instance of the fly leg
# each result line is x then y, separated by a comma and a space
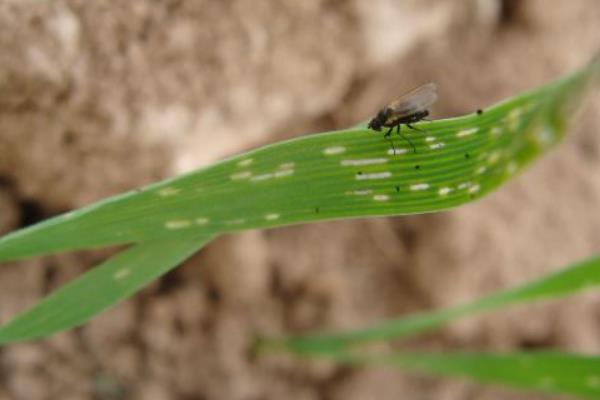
387, 136
416, 129
407, 139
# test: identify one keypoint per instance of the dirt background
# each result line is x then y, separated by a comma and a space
98, 97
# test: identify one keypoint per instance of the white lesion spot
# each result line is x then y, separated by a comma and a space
362, 192
287, 165
464, 185
246, 162
272, 216
381, 197
122, 273
363, 161
438, 145
512, 167
545, 135
514, 118
496, 131
374, 175
445, 191
284, 169
263, 177
474, 188
481, 170
515, 113
240, 175
398, 151
168, 191
467, 132
430, 139
282, 173
419, 186
330, 151
494, 157
178, 224
201, 221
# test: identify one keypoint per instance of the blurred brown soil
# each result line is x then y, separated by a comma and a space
100, 97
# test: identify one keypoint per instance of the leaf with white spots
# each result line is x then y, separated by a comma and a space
317, 177
341, 174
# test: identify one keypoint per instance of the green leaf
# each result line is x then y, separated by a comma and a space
551, 372
98, 289
341, 174
584, 275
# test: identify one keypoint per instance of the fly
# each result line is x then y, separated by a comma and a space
408, 109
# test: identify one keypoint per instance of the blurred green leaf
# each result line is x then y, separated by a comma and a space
550, 372
98, 289
581, 276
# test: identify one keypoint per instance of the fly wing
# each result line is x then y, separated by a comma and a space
416, 100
